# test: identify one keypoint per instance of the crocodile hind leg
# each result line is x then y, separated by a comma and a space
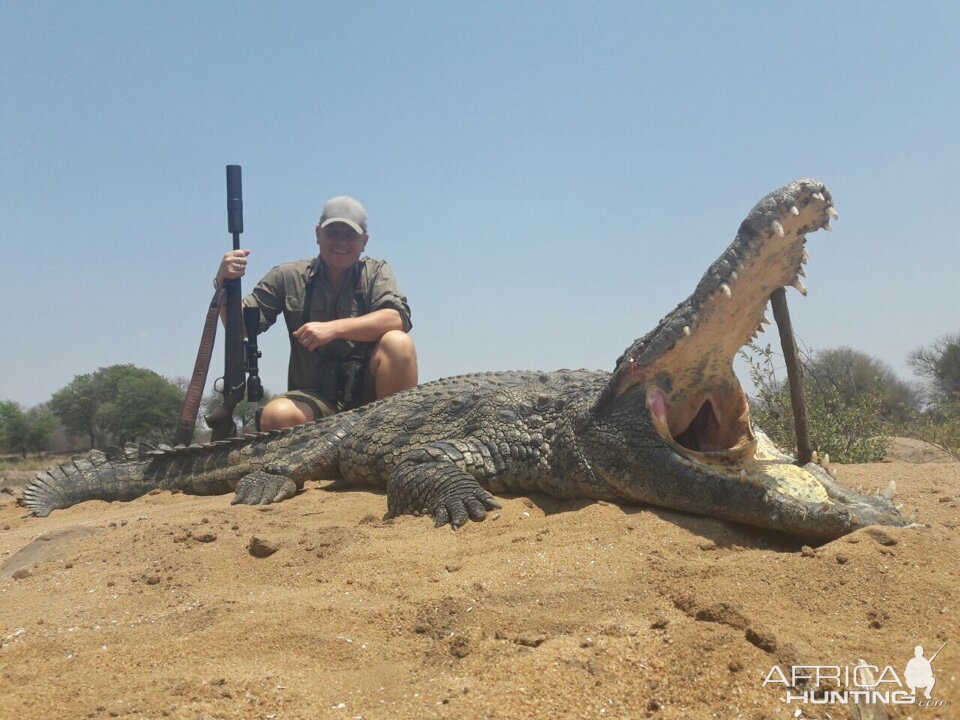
281, 478
437, 487
262, 488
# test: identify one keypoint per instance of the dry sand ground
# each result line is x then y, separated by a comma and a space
156, 608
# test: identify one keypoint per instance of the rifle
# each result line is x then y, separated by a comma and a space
240, 355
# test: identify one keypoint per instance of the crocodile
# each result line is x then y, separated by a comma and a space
669, 426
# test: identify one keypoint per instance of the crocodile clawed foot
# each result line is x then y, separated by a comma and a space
263, 488
438, 489
457, 509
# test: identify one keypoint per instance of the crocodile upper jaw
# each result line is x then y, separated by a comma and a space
685, 365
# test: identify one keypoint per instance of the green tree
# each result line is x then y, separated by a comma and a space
42, 424
939, 364
76, 406
849, 375
145, 408
939, 422
24, 431
119, 403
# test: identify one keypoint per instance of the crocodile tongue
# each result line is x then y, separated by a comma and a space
685, 365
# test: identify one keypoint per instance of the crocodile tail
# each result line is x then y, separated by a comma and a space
117, 474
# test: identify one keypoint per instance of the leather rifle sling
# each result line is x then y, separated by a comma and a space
191, 403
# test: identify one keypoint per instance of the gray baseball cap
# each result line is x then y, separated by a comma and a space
345, 209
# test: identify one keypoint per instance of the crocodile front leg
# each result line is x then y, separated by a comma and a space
262, 488
433, 481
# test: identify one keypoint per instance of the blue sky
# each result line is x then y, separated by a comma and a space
547, 179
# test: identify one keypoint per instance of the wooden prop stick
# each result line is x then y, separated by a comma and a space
778, 300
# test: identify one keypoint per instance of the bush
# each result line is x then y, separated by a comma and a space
845, 418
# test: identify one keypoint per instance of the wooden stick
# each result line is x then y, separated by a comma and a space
778, 300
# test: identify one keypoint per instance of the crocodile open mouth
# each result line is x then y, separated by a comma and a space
704, 433
709, 428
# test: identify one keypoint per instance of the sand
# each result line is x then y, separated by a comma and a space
158, 609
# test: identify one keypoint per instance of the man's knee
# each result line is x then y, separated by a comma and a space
394, 363
282, 413
397, 345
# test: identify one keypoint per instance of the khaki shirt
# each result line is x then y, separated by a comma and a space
369, 286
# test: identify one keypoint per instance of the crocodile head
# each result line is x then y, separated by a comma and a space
681, 414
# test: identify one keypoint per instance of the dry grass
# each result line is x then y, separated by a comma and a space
38, 461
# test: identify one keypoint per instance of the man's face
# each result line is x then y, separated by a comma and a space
340, 245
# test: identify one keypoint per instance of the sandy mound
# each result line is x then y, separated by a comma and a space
157, 608
911, 450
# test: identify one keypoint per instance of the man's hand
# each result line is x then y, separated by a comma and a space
233, 265
316, 334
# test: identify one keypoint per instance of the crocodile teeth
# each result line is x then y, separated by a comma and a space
801, 288
804, 257
826, 462
801, 271
890, 490
725, 289
733, 275
819, 196
793, 210
765, 320
815, 457
686, 330
777, 228
832, 212
826, 226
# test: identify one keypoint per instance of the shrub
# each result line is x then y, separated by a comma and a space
845, 420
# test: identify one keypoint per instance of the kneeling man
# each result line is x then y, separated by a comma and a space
348, 321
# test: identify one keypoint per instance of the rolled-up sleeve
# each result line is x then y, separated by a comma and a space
384, 292
268, 295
